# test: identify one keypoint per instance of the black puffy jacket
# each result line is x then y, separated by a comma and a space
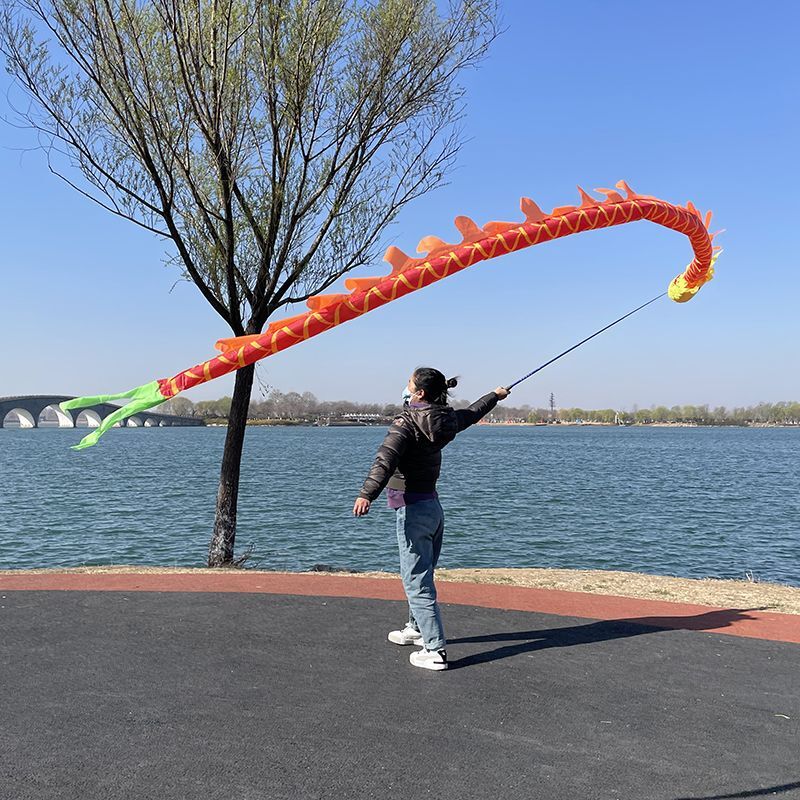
410, 457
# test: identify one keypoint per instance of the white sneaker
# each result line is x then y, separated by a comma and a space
408, 635
429, 659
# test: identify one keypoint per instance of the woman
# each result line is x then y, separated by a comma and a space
408, 464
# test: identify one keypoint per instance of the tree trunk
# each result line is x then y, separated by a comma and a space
220, 551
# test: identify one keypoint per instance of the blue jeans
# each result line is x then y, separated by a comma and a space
420, 528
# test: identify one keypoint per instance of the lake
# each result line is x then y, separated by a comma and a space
693, 502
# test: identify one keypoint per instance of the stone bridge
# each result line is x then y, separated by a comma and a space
43, 411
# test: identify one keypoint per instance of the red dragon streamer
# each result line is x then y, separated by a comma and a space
409, 274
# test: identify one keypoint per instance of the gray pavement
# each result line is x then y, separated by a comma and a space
266, 697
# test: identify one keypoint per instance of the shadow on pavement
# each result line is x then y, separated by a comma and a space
529, 641
784, 787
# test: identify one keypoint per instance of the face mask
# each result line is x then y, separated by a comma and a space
406, 395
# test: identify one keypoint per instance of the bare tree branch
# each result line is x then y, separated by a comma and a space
270, 142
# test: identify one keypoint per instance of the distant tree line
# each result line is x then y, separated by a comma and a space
782, 413
281, 406
305, 407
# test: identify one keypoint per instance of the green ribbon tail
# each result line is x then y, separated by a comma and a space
142, 398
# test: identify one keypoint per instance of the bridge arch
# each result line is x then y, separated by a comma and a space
18, 418
88, 418
53, 417
135, 421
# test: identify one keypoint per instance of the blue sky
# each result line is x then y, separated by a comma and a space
683, 100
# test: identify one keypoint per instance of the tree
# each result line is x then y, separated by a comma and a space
659, 414
270, 143
608, 415
214, 408
292, 405
310, 405
180, 406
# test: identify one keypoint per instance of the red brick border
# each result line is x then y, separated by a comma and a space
749, 623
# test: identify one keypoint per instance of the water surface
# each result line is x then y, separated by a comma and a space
692, 502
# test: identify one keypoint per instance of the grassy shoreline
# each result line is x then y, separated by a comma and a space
707, 591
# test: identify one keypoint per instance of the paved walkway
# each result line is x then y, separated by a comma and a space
248, 686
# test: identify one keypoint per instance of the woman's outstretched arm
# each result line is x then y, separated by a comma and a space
480, 408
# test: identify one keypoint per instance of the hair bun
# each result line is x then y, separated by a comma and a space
452, 383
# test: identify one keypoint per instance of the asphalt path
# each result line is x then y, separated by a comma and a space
117, 695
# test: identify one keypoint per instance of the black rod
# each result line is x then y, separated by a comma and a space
583, 341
